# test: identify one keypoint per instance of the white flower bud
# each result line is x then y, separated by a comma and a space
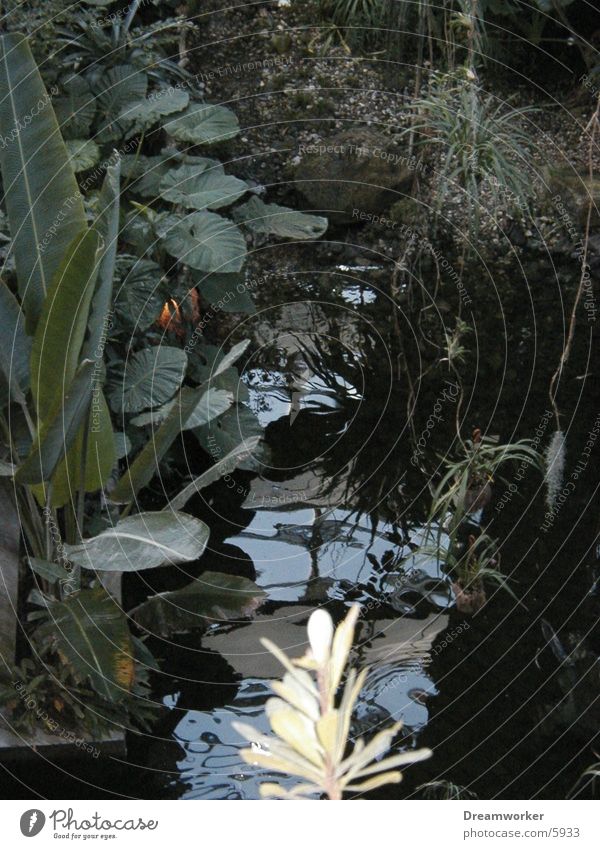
320, 634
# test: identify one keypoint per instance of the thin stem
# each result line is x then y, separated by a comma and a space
593, 125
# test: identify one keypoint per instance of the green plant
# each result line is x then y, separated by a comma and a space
312, 728
125, 91
483, 149
59, 446
465, 490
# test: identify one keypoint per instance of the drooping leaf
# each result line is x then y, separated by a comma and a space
234, 428
213, 403
150, 378
141, 293
107, 227
59, 429
230, 358
143, 541
15, 346
280, 221
38, 181
91, 633
221, 468
48, 570
62, 324
202, 123
83, 154
146, 464
203, 240
100, 456
201, 188
213, 597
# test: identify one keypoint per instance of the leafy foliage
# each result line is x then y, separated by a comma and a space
312, 729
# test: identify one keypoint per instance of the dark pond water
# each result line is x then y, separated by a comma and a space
507, 699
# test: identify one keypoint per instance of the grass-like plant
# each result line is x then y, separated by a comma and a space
483, 148
312, 727
465, 490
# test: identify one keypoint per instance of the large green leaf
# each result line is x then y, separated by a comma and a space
203, 240
144, 173
76, 109
213, 403
42, 198
60, 429
221, 468
107, 227
141, 292
61, 328
117, 90
213, 597
83, 154
228, 292
147, 462
197, 188
203, 124
143, 541
150, 378
149, 111
15, 346
233, 429
91, 633
280, 221
100, 456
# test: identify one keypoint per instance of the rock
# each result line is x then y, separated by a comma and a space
351, 172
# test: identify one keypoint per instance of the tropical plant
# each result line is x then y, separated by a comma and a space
312, 728
483, 149
59, 439
462, 495
124, 90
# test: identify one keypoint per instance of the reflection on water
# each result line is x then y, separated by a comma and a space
314, 386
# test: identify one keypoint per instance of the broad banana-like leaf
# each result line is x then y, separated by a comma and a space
59, 430
151, 377
203, 240
143, 541
100, 454
43, 200
107, 226
269, 218
213, 597
15, 346
91, 633
62, 324
146, 464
